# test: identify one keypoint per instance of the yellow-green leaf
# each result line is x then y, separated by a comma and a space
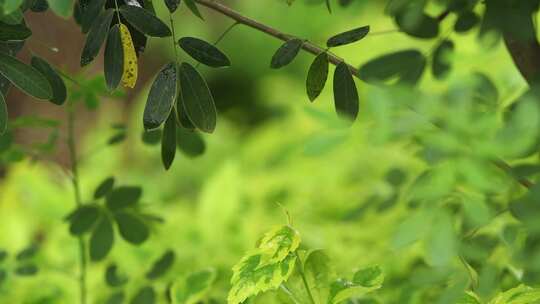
130, 73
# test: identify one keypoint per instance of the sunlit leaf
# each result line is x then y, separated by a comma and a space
204, 52
369, 277
519, 295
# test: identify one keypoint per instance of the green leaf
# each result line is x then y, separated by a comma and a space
193, 8
190, 142
469, 298
341, 290
441, 59
14, 32
406, 66
519, 295
13, 18
104, 188
204, 52
83, 219
3, 115
345, 93
161, 266
328, 6
425, 27
132, 227
145, 295
96, 36
9, 6
102, 239
3, 276
116, 298
369, 277
161, 97
197, 98
3, 255
196, 287
348, 37
466, 21
39, 6
55, 81
317, 76
144, 21
113, 65
27, 253
26, 270
62, 8
286, 53
318, 273
25, 77
266, 267
168, 141
90, 11
172, 5
123, 197
113, 278
441, 242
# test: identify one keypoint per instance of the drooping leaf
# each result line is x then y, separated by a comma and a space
197, 98
14, 32
317, 76
104, 187
113, 278
144, 21
193, 8
345, 93
145, 295
196, 287
55, 81
96, 36
123, 197
102, 238
83, 219
204, 52
132, 227
348, 37
25, 77
441, 61
407, 66
151, 137
131, 70
161, 97
161, 266
190, 142
172, 5
90, 11
286, 53
114, 58
3, 115
168, 141
318, 274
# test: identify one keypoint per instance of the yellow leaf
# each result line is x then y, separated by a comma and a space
129, 75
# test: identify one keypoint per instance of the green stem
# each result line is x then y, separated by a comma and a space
173, 37
303, 275
78, 201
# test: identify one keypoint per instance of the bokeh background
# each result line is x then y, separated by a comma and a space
273, 150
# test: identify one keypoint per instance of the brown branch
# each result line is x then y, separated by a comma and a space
241, 19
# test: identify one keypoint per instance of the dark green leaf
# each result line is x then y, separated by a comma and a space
116, 298
181, 113
39, 6
14, 32
144, 21
466, 21
104, 188
485, 91
27, 270
114, 58
197, 98
190, 142
89, 13
204, 52
152, 137
13, 18
117, 138
345, 93
83, 219
3, 276
328, 6
145, 295
168, 141
123, 197
27, 253
426, 27
102, 239
441, 61
96, 36
55, 81
132, 228
172, 5
286, 53
407, 66
25, 77
3, 115
161, 266
112, 277
3, 255
193, 8
161, 97
348, 37
317, 76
